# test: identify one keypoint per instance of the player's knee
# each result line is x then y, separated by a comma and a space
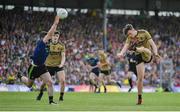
140, 49
49, 83
140, 79
62, 82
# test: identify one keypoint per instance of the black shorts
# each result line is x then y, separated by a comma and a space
135, 59
132, 68
95, 71
106, 72
36, 71
54, 70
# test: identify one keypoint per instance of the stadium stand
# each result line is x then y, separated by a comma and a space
82, 34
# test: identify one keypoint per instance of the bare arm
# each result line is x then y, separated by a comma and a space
63, 59
52, 29
154, 47
123, 50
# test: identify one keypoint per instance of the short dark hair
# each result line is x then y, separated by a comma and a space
43, 33
126, 28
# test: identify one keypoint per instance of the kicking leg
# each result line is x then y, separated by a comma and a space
28, 82
147, 53
113, 81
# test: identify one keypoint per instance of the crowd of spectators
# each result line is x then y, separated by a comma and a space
83, 34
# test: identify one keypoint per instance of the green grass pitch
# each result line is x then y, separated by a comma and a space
25, 101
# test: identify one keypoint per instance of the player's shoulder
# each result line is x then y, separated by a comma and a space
61, 44
142, 31
104, 54
40, 42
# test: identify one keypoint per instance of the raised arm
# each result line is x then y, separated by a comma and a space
52, 30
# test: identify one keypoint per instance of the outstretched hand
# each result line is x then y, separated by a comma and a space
119, 55
158, 58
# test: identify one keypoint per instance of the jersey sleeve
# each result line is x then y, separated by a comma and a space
148, 36
63, 48
127, 40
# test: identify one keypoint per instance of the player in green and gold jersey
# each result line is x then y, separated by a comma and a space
105, 70
54, 63
141, 49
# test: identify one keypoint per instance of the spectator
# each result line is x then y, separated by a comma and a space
82, 34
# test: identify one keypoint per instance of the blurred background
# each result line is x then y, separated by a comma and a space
91, 25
